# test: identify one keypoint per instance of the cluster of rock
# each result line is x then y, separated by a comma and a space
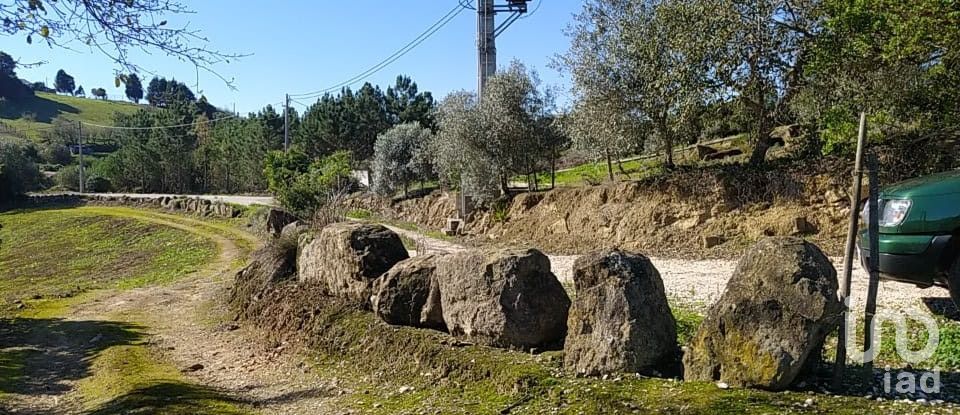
776, 312
198, 206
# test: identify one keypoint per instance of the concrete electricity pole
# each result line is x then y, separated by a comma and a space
487, 32
286, 123
486, 44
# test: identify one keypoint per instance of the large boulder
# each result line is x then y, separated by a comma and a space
402, 296
505, 298
345, 258
293, 230
620, 320
268, 266
776, 312
277, 219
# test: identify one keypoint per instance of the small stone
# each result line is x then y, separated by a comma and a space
808, 402
405, 389
193, 368
723, 385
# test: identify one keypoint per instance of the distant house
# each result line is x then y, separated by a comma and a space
75, 149
361, 176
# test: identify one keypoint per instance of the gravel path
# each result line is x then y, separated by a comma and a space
235, 199
699, 283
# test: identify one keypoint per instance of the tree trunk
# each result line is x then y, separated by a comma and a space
620, 167
609, 166
553, 172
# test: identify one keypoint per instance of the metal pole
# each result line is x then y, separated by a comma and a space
286, 123
80, 150
487, 43
844, 293
874, 265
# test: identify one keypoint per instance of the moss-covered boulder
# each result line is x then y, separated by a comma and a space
505, 298
620, 320
343, 259
402, 296
776, 312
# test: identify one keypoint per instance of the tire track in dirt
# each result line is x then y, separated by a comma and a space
184, 326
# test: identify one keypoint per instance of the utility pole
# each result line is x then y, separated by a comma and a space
486, 44
487, 32
80, 151
286, 123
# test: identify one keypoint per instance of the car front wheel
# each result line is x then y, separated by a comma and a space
953, 282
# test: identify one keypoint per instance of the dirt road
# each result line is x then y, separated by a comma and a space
183, 324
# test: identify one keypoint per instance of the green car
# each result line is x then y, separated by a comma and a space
920, 232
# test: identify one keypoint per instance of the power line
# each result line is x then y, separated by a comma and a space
301, 103
539, 3
395, 56
158, 127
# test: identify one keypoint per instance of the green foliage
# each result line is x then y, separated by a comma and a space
163, 93
281, 168
304, 188
64, 83
133, 88
97, 184
10, 86
230, 154
18, 169
68, 178
400, 156
99, 93
55, 142
900, 61
352, 120
513, 131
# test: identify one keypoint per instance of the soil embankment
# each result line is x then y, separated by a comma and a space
688, 214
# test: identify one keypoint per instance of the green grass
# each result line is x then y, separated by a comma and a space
360, 351
116, 370
594, 173
128, 379
44, 107
62, 253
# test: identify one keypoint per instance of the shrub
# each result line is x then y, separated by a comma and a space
18, 170
98, 184
68, 177
304, 191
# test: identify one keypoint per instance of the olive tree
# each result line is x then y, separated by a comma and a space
634, 69
399, 157
458, 155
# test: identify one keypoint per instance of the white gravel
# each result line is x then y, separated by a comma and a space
699, 283
235, 199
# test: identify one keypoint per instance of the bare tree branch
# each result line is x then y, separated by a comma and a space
113, 27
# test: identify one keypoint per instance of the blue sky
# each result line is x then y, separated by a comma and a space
301, 46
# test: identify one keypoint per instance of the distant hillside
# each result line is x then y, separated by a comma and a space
36, 114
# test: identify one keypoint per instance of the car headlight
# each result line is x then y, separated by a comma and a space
894, 212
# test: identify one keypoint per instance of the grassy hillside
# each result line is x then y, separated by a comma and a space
51, 253
36, 114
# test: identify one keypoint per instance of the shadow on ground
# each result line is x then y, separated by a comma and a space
37, 356
42, 109
942, 306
